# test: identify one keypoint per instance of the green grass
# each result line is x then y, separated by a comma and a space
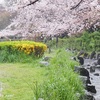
62, 83
18, 80
29, 81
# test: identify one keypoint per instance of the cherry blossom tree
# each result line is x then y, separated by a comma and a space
54, 16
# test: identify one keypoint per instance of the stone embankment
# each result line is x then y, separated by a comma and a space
89, 71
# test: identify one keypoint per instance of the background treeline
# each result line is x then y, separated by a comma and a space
87, 41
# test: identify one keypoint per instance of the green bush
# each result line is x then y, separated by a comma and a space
20, 51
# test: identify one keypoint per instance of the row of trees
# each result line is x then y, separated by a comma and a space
88, 41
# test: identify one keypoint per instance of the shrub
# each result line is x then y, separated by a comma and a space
18, 49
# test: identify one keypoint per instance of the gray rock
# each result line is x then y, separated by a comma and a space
84, 72
40, 99
92, 69
86, 55
91, 88
93, 54
98, 55
44, 63
96, 74
98, 66
88, 64
95, 63
98, 62
46, 58
81, 53
81, 60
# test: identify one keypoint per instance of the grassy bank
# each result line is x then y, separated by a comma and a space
62, 83
18, 81
30, 81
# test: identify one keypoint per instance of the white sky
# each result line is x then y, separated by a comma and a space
2, 1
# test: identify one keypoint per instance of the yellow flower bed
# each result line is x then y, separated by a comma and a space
28, 47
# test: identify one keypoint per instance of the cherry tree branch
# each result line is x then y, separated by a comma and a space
31, 3
76, 5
